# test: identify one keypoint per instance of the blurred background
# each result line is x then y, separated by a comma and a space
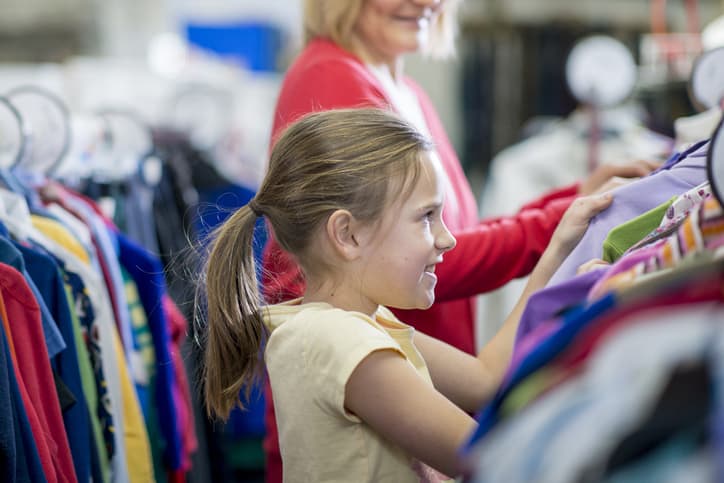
197, 81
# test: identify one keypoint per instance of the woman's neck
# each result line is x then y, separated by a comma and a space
394, 65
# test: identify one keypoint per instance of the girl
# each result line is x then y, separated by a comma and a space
354, 56
356, 197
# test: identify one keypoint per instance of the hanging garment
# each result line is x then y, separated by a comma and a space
570, 433
33, 366
627, 234
556, 156
99, 323
630, 201
702, 229
599, 312
548, 304
19, 456
147, 272
44, 273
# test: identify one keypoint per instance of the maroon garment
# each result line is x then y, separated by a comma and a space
178, 327
488, 253
33, 368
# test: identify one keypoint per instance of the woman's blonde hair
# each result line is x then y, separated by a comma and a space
335, 20
352, 159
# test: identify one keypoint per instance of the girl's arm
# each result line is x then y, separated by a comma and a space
470, 381
388, 394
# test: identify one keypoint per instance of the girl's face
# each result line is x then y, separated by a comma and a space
387, 29
399, 262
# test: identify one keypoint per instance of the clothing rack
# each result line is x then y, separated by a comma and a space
112, 349
617, 369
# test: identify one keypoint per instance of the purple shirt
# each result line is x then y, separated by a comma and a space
630, 201
547, 303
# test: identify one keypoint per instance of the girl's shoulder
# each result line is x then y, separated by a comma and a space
323, 327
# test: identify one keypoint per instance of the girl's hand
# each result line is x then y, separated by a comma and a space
575, 221
592, 264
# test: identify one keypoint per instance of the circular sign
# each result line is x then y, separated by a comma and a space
600, 71
706, 85
12, 134
47, 127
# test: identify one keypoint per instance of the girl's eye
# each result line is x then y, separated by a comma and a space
429, 215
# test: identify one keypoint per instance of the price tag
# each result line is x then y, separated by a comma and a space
706, 85
600, 71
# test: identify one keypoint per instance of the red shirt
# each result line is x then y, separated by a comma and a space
488, 253
33, 369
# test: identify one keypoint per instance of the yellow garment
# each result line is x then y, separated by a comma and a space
310, 355
135, 435
56, 231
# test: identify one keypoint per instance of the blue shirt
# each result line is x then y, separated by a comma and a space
574, 322
147, 272
44, 272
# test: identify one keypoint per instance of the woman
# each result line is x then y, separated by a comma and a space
354, 57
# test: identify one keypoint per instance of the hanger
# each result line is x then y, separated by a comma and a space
87, 147
46, 116
202, 111
706, 89
13, 142
129, 142
715, 164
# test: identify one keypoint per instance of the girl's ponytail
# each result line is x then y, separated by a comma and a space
235, 329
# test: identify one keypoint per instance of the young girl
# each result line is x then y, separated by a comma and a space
356, 196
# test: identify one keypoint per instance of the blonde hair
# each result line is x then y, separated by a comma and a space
335, 20
347, 159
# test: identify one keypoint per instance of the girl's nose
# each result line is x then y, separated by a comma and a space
445, 240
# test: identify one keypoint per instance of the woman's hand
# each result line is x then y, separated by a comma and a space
575, 221
595, 182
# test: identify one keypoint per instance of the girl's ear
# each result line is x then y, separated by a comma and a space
341, 227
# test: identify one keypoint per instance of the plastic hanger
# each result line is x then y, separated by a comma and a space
48, 127
13, 141
706, 89
130, 143
715, 164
